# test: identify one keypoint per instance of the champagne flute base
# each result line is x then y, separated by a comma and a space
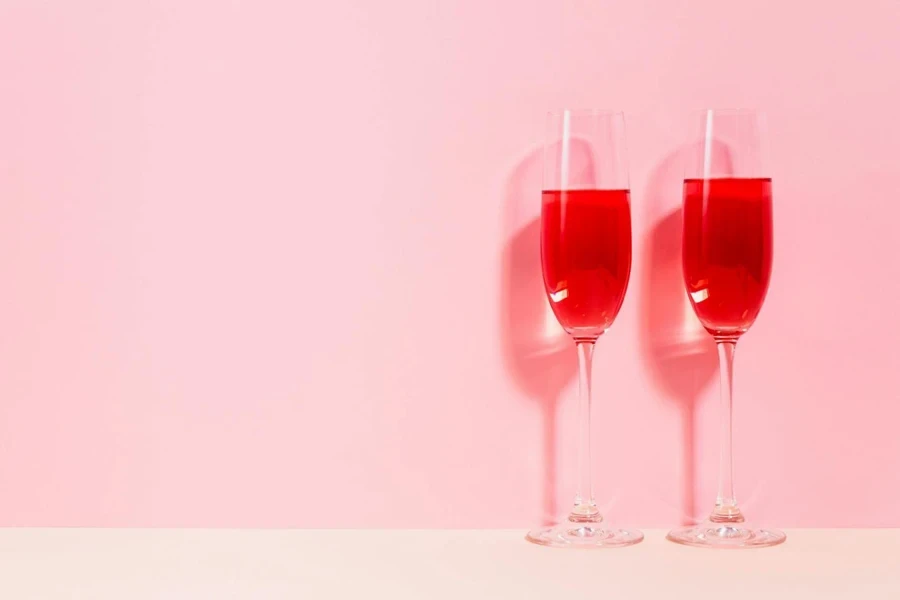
579, 533
726, 535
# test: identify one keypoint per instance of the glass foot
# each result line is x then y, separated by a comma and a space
579, 533
726, 535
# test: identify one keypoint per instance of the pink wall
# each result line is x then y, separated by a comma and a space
274, 265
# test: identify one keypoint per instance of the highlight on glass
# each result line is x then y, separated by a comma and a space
586, 263
727, 261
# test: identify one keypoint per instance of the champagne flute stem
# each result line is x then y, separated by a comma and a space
585, 508
726, 510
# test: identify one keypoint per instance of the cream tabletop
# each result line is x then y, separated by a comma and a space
425, 564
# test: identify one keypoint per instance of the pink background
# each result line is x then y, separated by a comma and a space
275, 263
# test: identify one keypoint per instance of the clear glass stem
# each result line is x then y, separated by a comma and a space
585, 508
726, 510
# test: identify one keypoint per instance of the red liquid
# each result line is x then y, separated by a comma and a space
727, 250
586, 256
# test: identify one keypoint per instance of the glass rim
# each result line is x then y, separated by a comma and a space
599, 112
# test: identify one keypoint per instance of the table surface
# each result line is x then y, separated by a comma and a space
426, 564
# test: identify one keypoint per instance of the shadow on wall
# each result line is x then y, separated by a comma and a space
538, 354
680, 354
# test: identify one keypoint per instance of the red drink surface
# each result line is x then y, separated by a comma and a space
727, 250
586, 256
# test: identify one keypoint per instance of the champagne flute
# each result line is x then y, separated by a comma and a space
727, 261
586, 263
